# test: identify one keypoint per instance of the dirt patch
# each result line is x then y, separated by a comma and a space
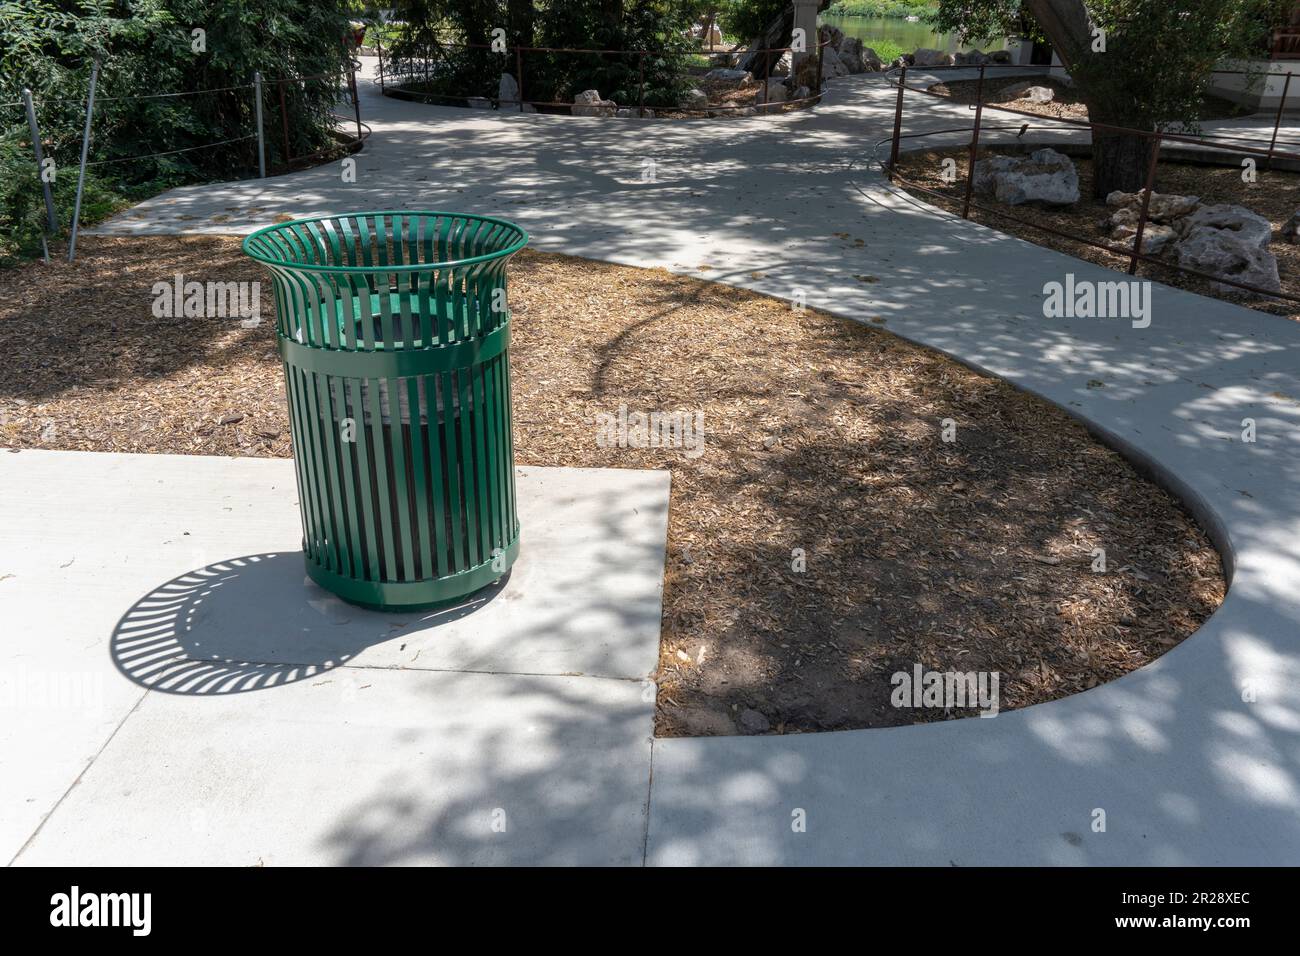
1275, 195
826, 538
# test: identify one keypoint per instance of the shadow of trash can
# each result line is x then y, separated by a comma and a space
394, 331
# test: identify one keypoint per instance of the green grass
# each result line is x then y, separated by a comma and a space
881, 8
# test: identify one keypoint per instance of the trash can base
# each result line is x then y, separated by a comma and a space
414, 595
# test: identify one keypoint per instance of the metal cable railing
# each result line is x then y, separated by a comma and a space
346, 142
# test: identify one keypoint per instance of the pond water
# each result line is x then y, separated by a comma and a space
907, 34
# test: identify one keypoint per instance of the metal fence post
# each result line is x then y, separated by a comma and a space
356, 98
898, 123
257, 110
85, 150
1277, 121
51, 220
974, 144
1146, 203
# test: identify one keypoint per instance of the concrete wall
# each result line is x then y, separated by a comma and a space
1263, 90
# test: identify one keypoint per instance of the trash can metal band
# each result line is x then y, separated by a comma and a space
395, 339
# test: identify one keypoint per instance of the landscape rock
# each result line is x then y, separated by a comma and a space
694, 100
1164, 207
928, 57
801, 93
589, 103
1251, 228
753, 722
479, 103
507, 91
833, 66
1000, 56
871, 62
1038, 94
971, 58
1224, 253
850, 53
1044, 176
727, 75
1291, 228
1155, 236
1230, 242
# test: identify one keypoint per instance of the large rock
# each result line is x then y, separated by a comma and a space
1250, 227
871, 61
693, 100
833, 66
971, 58
1044, 176
1291, 228
1123, 226
589, 103
928, 57
1164, 207
1224, 253
850, 53
729, 76
507, 91
1032, 90
1000, 56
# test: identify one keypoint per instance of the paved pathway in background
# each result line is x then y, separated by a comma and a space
1184, 769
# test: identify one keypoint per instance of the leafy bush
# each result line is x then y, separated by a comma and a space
146, 48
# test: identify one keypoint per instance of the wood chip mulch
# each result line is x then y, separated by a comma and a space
821, 435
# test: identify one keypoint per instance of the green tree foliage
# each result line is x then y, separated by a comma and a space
431, 49
147, 47
1139, 64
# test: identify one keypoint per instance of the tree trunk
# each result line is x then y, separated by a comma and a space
1119, 161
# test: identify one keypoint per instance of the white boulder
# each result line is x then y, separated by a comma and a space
507, 91
1229, 242
589, 103
1044, 176
694, 100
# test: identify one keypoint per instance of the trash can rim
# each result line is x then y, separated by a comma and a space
395, 267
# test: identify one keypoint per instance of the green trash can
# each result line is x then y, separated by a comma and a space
395, 336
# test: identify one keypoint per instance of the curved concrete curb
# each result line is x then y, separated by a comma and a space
1184, 769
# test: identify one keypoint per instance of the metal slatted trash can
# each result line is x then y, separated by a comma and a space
394, 332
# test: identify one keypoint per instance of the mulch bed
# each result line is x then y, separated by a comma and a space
1275, 195
821, 435
1066, 104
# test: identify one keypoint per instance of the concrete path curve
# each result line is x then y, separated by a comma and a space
1185, 770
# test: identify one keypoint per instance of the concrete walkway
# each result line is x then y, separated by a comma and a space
176, 691
1184, 769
